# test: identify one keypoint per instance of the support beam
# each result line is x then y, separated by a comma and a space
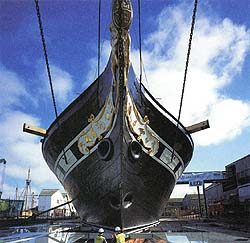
34, 130
205, 199
198, 127
199, 197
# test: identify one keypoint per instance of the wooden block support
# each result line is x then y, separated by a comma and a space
34, 130
198, 127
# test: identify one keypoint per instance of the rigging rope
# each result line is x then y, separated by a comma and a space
185, 72
143, 67
140, 48
99, 47
48, 68
139, 22
146, 79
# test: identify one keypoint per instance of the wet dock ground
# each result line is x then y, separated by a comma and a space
168, 231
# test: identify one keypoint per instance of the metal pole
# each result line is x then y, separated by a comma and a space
205, 199
198, 190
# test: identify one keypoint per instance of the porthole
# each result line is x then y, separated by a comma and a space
128, 200
105, 149
114, 203
134, 150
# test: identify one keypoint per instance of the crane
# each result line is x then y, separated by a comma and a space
2, 161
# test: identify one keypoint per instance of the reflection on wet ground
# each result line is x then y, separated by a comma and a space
59, 234
203, 237
34, 233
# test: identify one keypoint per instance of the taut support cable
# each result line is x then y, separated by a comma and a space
185, 72
140, 48
46, 55
99, 47
48, 68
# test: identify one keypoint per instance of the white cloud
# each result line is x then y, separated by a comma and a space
9, 191
228, 118
12, 89
11, 126
93, 71
62, 83
21, 150
218, 51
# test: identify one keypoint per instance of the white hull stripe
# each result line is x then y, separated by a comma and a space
75, 157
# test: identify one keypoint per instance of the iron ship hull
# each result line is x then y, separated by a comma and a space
117, 168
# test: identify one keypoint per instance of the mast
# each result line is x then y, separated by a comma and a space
2, 161
32, 200
17, 196
27, 189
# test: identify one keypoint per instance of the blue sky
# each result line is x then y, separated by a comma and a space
217, 88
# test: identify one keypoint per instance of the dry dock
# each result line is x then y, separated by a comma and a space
168, 231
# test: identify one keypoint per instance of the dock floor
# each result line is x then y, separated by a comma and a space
168, 231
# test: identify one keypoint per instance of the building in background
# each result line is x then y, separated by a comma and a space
51, 198
215, 199
191, 204
227, 196
188, 207
174, 207
232, 197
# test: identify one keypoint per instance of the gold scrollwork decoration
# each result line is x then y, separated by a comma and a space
98, 125
140, 127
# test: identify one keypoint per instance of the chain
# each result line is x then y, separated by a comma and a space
48, 68
121, 70
46, 55
188, 55
185, 73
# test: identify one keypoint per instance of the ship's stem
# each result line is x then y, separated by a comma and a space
121, 20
